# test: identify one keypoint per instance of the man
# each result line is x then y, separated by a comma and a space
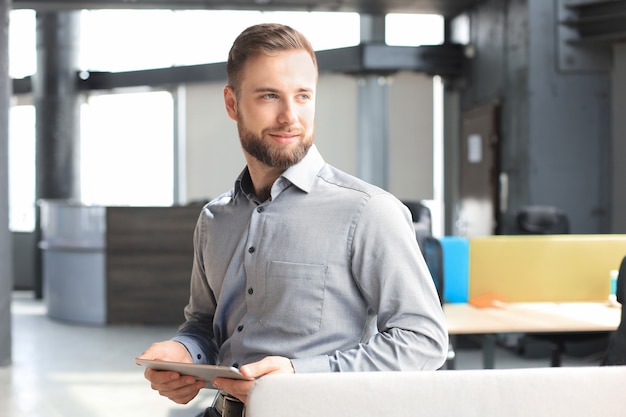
300, 267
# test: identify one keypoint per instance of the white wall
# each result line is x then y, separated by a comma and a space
214, 157
336, 121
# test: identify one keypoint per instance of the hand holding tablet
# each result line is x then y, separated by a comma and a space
203, 372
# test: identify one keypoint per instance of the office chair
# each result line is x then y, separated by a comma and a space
421, 220
616, 351
433, 255
545, 220
541, 220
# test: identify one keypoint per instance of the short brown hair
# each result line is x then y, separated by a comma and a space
265, 38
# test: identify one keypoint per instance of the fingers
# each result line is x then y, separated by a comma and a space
235, 387
160, 377
178, 388
266, 366
168, 350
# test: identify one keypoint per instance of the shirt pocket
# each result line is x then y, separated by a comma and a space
294, 297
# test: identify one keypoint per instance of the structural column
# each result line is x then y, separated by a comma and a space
373, 113
58, 112
373, 130
6, 269
56, 101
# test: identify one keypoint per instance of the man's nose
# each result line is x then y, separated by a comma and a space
288, 112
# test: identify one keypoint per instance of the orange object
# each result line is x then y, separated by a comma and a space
488, 300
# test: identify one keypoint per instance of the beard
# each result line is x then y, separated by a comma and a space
273, 156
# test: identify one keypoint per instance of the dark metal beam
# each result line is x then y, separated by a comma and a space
446, 60
22, 85
152, 77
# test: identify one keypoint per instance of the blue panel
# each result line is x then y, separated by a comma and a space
456, 268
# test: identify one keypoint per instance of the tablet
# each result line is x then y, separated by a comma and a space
202, 372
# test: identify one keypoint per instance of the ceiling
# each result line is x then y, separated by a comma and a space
447, 8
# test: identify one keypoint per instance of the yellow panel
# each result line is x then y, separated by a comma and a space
545, 268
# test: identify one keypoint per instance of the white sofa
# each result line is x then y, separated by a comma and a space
567, 392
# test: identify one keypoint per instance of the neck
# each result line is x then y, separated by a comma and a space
262, 177
263, 194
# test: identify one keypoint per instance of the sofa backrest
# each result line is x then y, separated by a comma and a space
553, 392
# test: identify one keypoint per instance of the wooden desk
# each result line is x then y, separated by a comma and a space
539, 317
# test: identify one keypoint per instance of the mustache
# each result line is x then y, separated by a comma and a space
290, 130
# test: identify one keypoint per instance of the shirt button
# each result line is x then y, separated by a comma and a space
240, 328
260, 209
251, 249
199, 356
250, 291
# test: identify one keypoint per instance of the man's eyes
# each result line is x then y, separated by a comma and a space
274, 96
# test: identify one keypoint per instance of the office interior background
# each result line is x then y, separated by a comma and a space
503, 104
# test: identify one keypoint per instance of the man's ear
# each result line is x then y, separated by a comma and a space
230, 101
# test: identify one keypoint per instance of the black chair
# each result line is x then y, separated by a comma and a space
433, 255
421, 220
545, 220
616, 351
541, 220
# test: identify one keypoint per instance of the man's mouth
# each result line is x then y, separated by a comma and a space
284, 137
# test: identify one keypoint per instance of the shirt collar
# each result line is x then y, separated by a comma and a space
301, 174
243, 183
304, 172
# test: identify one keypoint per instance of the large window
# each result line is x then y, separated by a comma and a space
126, 154
174, 38
22, 43
22, 168
127, 140
413, 29
22, 63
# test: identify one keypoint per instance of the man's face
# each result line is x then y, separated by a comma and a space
275, 107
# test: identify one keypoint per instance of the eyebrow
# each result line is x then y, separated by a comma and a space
275, 90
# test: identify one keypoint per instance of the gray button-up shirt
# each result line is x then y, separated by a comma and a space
327, 272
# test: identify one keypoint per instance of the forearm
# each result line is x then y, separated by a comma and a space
393, 350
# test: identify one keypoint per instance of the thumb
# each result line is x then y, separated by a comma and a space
267, 365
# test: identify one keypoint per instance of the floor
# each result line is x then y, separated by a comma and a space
68, 370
